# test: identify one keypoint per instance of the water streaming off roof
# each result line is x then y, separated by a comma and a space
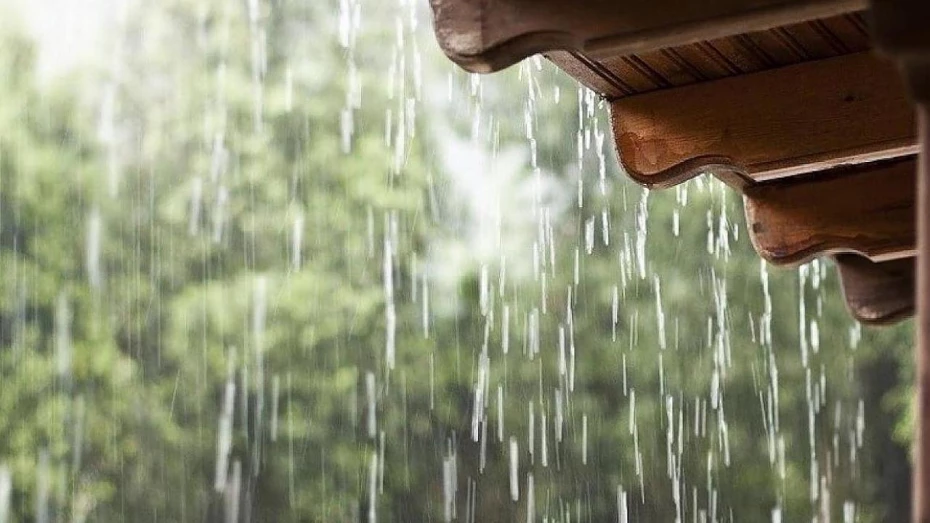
279, 261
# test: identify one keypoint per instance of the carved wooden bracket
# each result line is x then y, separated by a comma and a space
877, 293
780, 122
867, 210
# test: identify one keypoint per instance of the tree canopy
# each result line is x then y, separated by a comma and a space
278, 261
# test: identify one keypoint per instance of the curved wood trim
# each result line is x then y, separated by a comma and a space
484, 36
866, 210
783, 122
722, 167
877, 293
506, 54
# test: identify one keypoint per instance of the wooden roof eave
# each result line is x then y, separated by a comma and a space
816, 131
486, 36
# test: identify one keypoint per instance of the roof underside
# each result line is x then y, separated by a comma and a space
781, 99
619, 75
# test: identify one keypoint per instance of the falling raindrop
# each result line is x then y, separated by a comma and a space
6, 489
514, 469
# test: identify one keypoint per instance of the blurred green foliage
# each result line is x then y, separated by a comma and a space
116, 361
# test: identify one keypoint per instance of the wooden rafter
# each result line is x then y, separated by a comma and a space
877, 293
866, 210
617, 75
781, 122
486, 36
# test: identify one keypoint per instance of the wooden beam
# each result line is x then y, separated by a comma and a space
617, 76
877, 293
900, 29
484, 36
776, 123
868, 210
921, 481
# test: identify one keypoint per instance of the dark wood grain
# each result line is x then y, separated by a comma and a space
718, 58
776, 123
877, 293
484, 36
868, 210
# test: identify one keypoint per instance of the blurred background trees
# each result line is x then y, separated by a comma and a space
280, 261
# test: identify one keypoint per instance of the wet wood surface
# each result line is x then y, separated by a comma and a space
486, 36
867, 210
776, 123
877, 293
618, 75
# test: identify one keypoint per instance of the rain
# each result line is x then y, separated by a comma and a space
283, 261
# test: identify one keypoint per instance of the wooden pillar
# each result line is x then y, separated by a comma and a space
901, 29
921, 478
